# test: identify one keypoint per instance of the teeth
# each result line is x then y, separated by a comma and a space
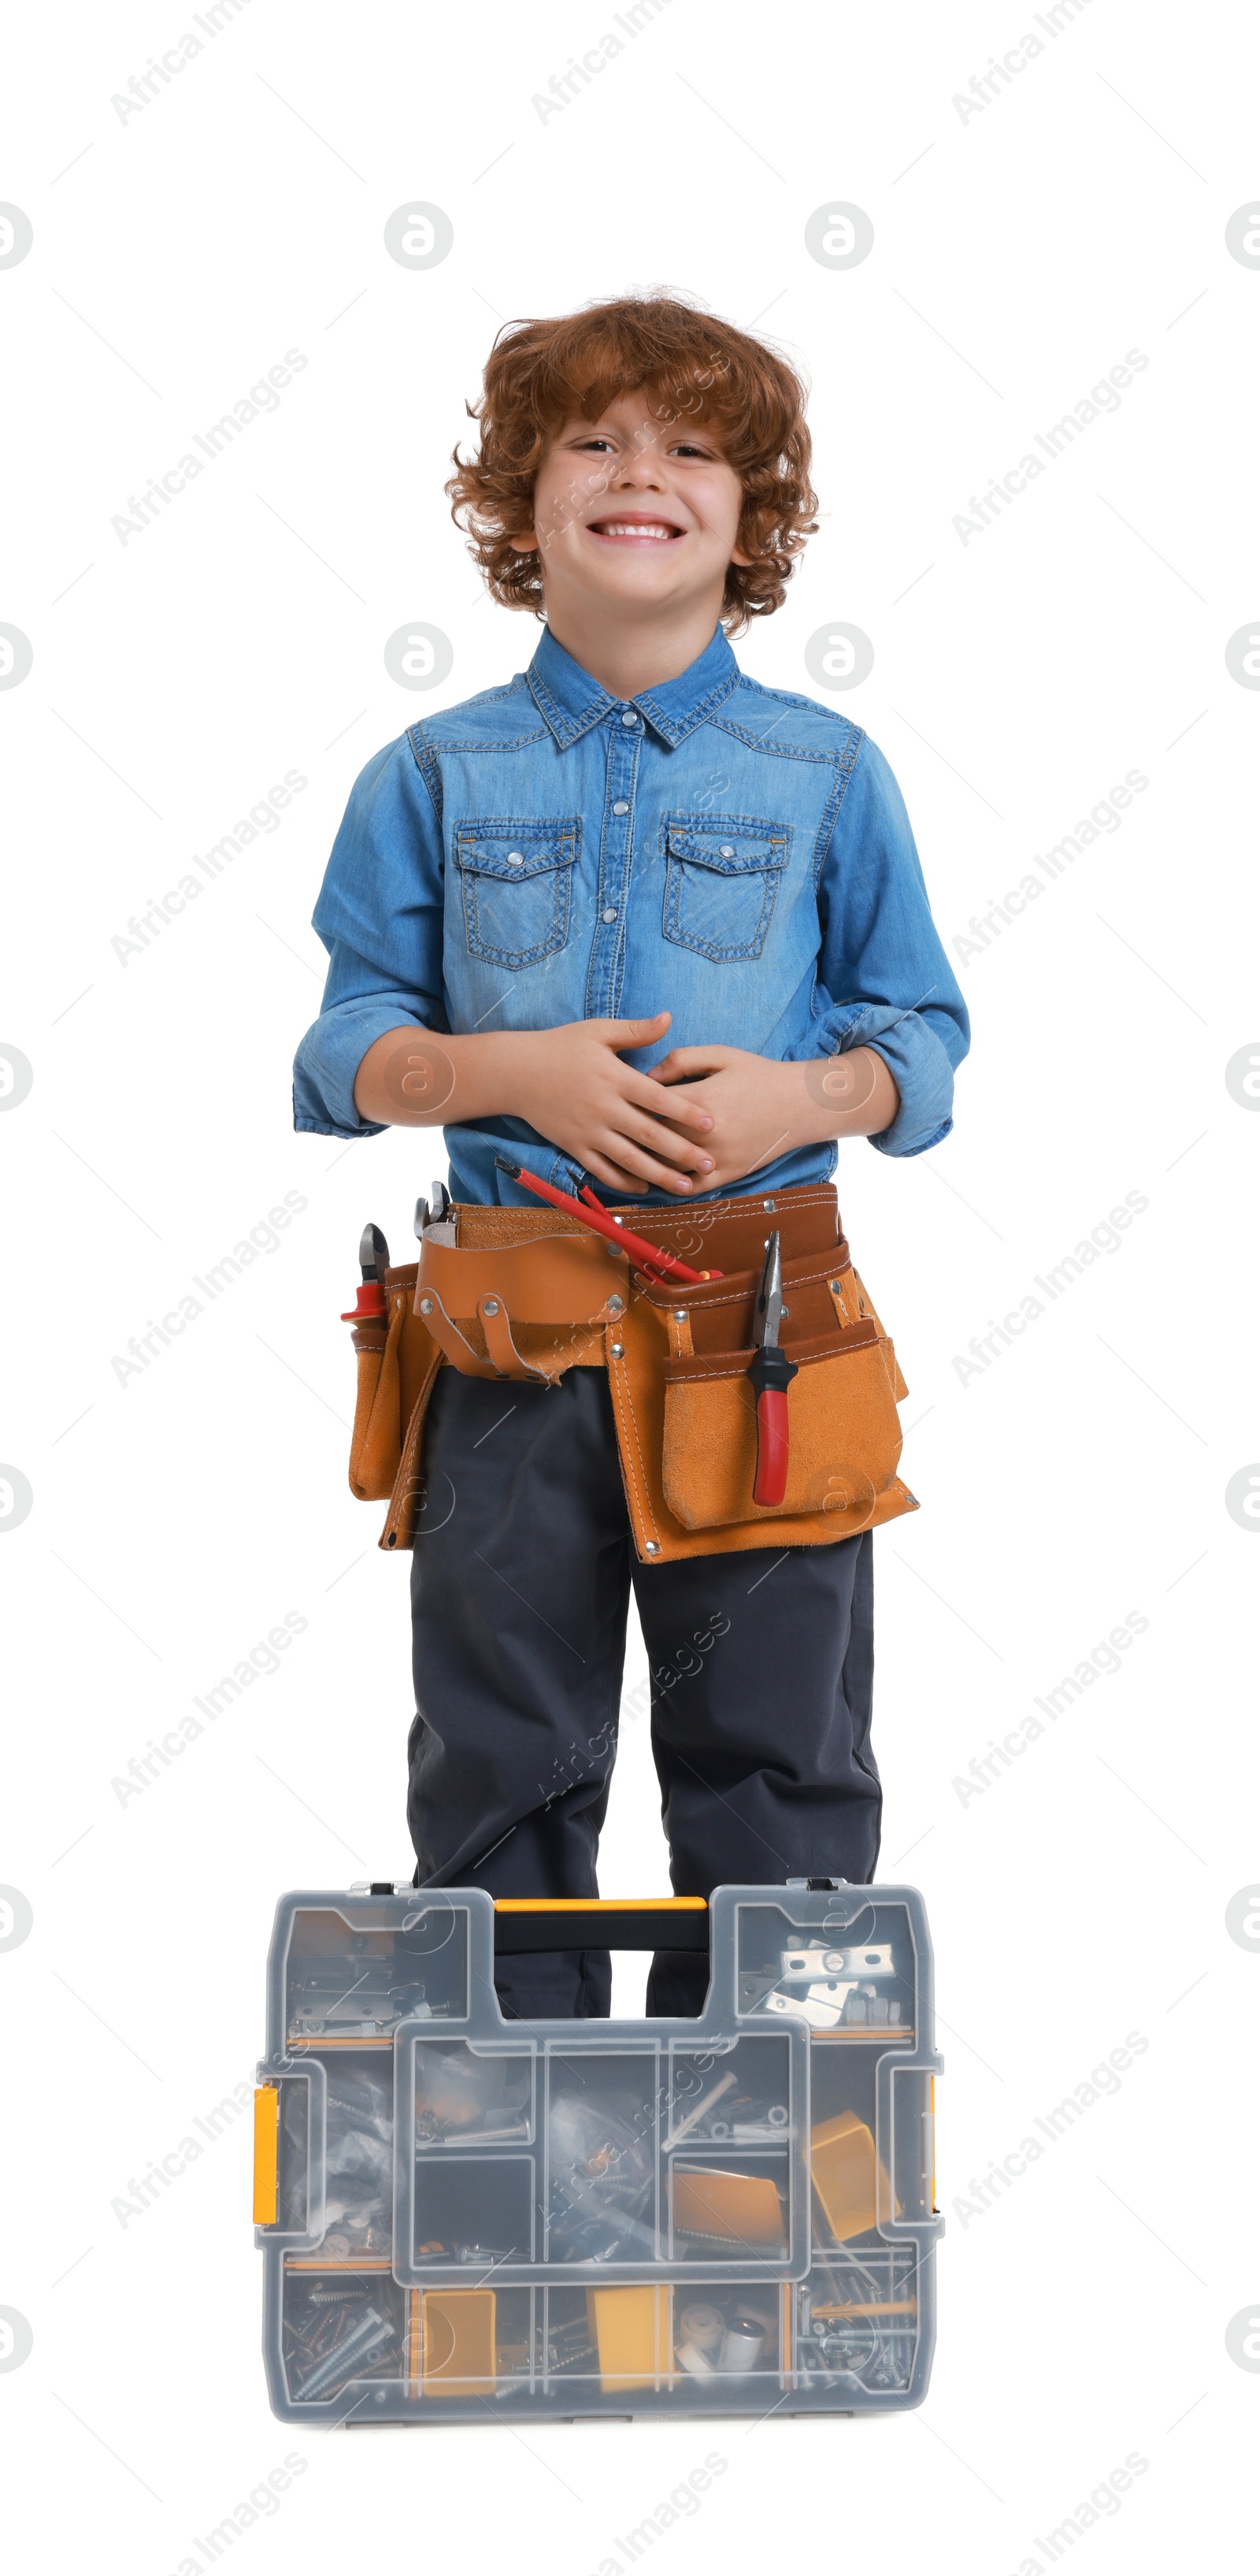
634, 528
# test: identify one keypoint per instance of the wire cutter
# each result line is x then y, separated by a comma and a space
771, 1375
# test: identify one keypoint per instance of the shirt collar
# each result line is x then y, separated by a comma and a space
570, 701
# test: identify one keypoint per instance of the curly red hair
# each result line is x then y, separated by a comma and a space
687, 363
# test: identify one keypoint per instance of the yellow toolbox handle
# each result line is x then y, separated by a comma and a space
266, 2153
524, 1923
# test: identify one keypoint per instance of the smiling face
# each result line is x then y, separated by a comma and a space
634, 515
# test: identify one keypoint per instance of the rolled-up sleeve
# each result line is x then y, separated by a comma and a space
379, 916
884, 979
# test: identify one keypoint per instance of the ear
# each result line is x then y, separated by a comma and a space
526, 544
748, 526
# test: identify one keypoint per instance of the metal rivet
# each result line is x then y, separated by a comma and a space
426, 1305
768, 1205
651, 1547
835, 1287
785, 1311
615, 1305
615, 1248
618, 1350
726, 852
516, 858
610, 915
680, 1314
619, 1220
621, 806
491, 1306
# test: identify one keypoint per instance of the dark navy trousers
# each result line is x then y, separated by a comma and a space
760, 1694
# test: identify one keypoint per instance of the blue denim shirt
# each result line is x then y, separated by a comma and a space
736, 855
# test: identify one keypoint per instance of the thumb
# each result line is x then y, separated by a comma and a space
637, 1033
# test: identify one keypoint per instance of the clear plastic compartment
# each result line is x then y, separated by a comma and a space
603, 2117
468, 2093
347, 1985
340, 2327
853, 1972
858, 2316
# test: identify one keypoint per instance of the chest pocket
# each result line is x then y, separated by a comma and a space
516, 877
722, 879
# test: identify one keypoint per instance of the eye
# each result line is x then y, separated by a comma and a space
685, 448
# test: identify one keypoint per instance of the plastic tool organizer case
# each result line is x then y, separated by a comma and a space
466, 2219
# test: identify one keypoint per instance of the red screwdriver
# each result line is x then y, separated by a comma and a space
644, 1255
771, 1374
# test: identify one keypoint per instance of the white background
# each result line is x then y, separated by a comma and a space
178, 1516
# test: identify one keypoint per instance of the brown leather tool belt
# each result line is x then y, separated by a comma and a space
523, 1294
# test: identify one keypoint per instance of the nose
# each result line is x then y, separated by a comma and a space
639, 470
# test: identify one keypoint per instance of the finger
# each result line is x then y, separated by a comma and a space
613, 1177
671, 1127
686, 1064
645, 1172
633, 1033
655, 1136
643, 1090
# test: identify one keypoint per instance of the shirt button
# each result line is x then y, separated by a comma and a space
621, 806
516, 858
609, 916
726, 852
630, 717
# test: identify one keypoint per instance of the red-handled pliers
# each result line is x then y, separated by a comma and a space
771, 1374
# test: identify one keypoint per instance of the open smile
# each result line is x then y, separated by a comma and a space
630, 530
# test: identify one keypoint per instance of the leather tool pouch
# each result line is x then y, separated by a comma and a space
686, 1412
518, 1293
497, 1293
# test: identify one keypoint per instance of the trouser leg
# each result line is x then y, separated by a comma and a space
520, 1586
761, 1669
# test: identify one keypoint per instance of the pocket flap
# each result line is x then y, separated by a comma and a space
515, 851
731, 850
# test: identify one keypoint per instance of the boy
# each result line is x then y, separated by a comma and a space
633, 920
